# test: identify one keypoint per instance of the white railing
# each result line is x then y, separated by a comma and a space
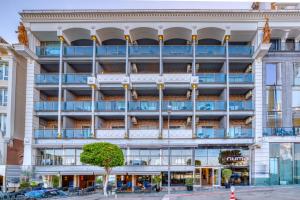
178, 133
144, 78
110, 78
110, 133
144, 133
177, 78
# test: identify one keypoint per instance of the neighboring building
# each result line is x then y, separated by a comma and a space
135, 77
12, 114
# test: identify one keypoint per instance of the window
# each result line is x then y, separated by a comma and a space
274, 99
275, 45
3, 122
296, 99
290, 44
297, 73
274, 119
3, 71
3, 97
273, 74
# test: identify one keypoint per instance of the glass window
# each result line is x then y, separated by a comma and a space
3, 71
297, 164
3, 123
296, 99
273, 74
290, 44
274, 99
286, 164
275, 45
297, 73
274, 119
3, 97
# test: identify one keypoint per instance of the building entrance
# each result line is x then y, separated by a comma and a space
207, 176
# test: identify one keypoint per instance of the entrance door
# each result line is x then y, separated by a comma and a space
207, 176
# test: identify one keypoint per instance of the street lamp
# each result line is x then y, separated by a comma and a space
169, 152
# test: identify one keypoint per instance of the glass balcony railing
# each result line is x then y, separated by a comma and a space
144, 51
210, 105
240, 133
77, 106
210, 133
111, 51
210, 51
77, 133
46, 106
76, 78
46, 79
45, 133
110, 106
78, 51
281, 131
211, 78
177, 50
240, 50
241, 78
241, 105
67, 79
144, 106
48, 51
177, 105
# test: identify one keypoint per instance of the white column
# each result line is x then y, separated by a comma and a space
127, 38
227, 87
126, 111
194, 39
93, 88
297, 45
194, 86
160, 37
283, 44
160, 88
60, 86
258, 98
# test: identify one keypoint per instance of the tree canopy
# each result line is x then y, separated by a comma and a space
102, 154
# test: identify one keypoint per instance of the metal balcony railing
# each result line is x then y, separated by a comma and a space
46, 106
178, 105
45, 133
210, 133
212, 78
240, 50
50, 78
234, 133
48, 51
77, 106
78, 51
210, 105
177, 51
240, 133
144, 50
241, 78
210, 51
111, 51
66, 133
110, 106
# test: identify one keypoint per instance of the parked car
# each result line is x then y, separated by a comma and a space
35, 194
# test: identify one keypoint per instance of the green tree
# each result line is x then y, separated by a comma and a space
104, 155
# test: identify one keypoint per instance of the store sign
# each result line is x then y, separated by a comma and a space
232, 157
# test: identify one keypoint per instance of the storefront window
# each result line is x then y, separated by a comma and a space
177, 178
178, 156
297, 164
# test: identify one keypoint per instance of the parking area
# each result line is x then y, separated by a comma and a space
243, 193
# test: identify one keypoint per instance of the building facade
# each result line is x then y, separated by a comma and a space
194, 80
12, 114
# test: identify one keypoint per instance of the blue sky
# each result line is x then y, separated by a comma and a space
9, 9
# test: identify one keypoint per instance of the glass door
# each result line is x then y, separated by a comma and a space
216, 176
197, 177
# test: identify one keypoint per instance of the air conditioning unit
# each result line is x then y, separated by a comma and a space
134, 94
248, 95
134, 120
188, 94
91, 80
189, 68
134, 68
248, 120
188, 121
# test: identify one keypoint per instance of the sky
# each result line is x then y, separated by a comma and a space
9, 17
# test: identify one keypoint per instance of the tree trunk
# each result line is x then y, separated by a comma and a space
105, 182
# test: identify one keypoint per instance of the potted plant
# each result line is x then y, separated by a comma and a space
156, 180
189, 182
226, 174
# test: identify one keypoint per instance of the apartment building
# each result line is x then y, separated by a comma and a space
193, 80
12, 114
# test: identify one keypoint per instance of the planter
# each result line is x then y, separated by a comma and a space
189, 188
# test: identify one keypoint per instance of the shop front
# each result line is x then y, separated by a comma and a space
67, 181
86, 181
210, 162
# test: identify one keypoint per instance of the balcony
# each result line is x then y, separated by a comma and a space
178, 105
66, 134
210, 133
212, 78
110, 105
178, 133
240, 50
77, 106
144, 51
210, 105
240, 133
48, 51
241, 105
210, 51
241, 78
110, 133
143, 133
49, 79
46, 106
282, 131
78, 51
143, 105
177, 51
111, 51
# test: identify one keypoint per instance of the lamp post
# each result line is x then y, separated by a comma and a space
169, 152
